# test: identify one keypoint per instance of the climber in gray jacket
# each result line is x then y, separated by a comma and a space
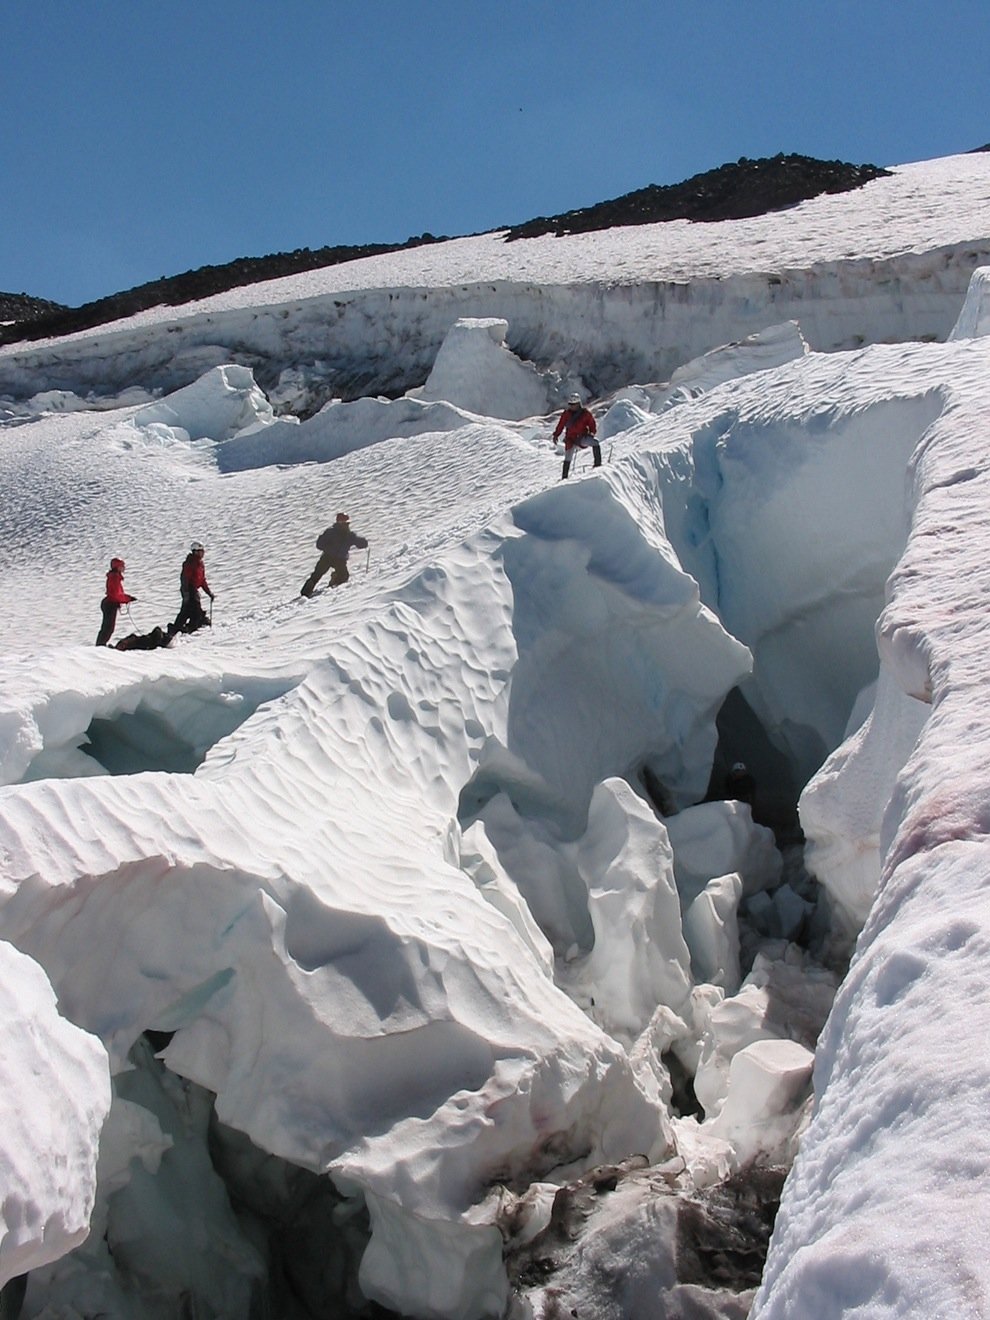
334, 546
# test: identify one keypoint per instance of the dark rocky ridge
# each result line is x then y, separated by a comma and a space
731, 192
22, 307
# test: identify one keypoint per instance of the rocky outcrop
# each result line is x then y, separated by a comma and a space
21, 307
731, 192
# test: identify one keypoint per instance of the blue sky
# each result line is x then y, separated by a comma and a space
144, 139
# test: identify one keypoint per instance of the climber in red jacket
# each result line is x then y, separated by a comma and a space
192, 580
115, 597
579, 430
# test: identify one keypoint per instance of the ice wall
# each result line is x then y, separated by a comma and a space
385, 341
878, 1217
791, 514
843, 807
597, 594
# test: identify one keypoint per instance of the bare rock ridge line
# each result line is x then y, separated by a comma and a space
731, 192
22, 307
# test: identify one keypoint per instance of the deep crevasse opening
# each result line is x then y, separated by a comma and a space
167, 724
793, 557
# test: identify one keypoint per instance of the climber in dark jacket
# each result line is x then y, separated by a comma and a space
740, 786
334, 545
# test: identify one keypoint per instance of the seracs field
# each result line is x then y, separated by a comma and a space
394, 951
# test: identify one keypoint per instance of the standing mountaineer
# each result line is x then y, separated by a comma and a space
113, 599
740, 785
192, 580
334, 545
578, 427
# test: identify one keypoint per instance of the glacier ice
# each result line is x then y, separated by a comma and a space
407, 924
54, 1098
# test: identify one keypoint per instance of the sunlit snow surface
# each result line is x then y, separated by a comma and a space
380, 860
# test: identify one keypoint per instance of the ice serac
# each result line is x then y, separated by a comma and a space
639, 958
974, 319
711, 930
720, 838
761, 351
54, 1098
475, 370
222, 403
340, 428
606, 901
598, 594
769, 1081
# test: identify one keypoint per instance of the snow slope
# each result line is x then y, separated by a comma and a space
380, 868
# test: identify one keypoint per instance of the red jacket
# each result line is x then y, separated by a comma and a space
577, 424
194, 574
115, 588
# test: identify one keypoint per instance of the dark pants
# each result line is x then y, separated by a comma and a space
110, 609
595, 449
192, 615
325, 562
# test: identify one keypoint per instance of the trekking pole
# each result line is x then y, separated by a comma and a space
367, 560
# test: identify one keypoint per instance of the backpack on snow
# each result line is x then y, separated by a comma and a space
145, 641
